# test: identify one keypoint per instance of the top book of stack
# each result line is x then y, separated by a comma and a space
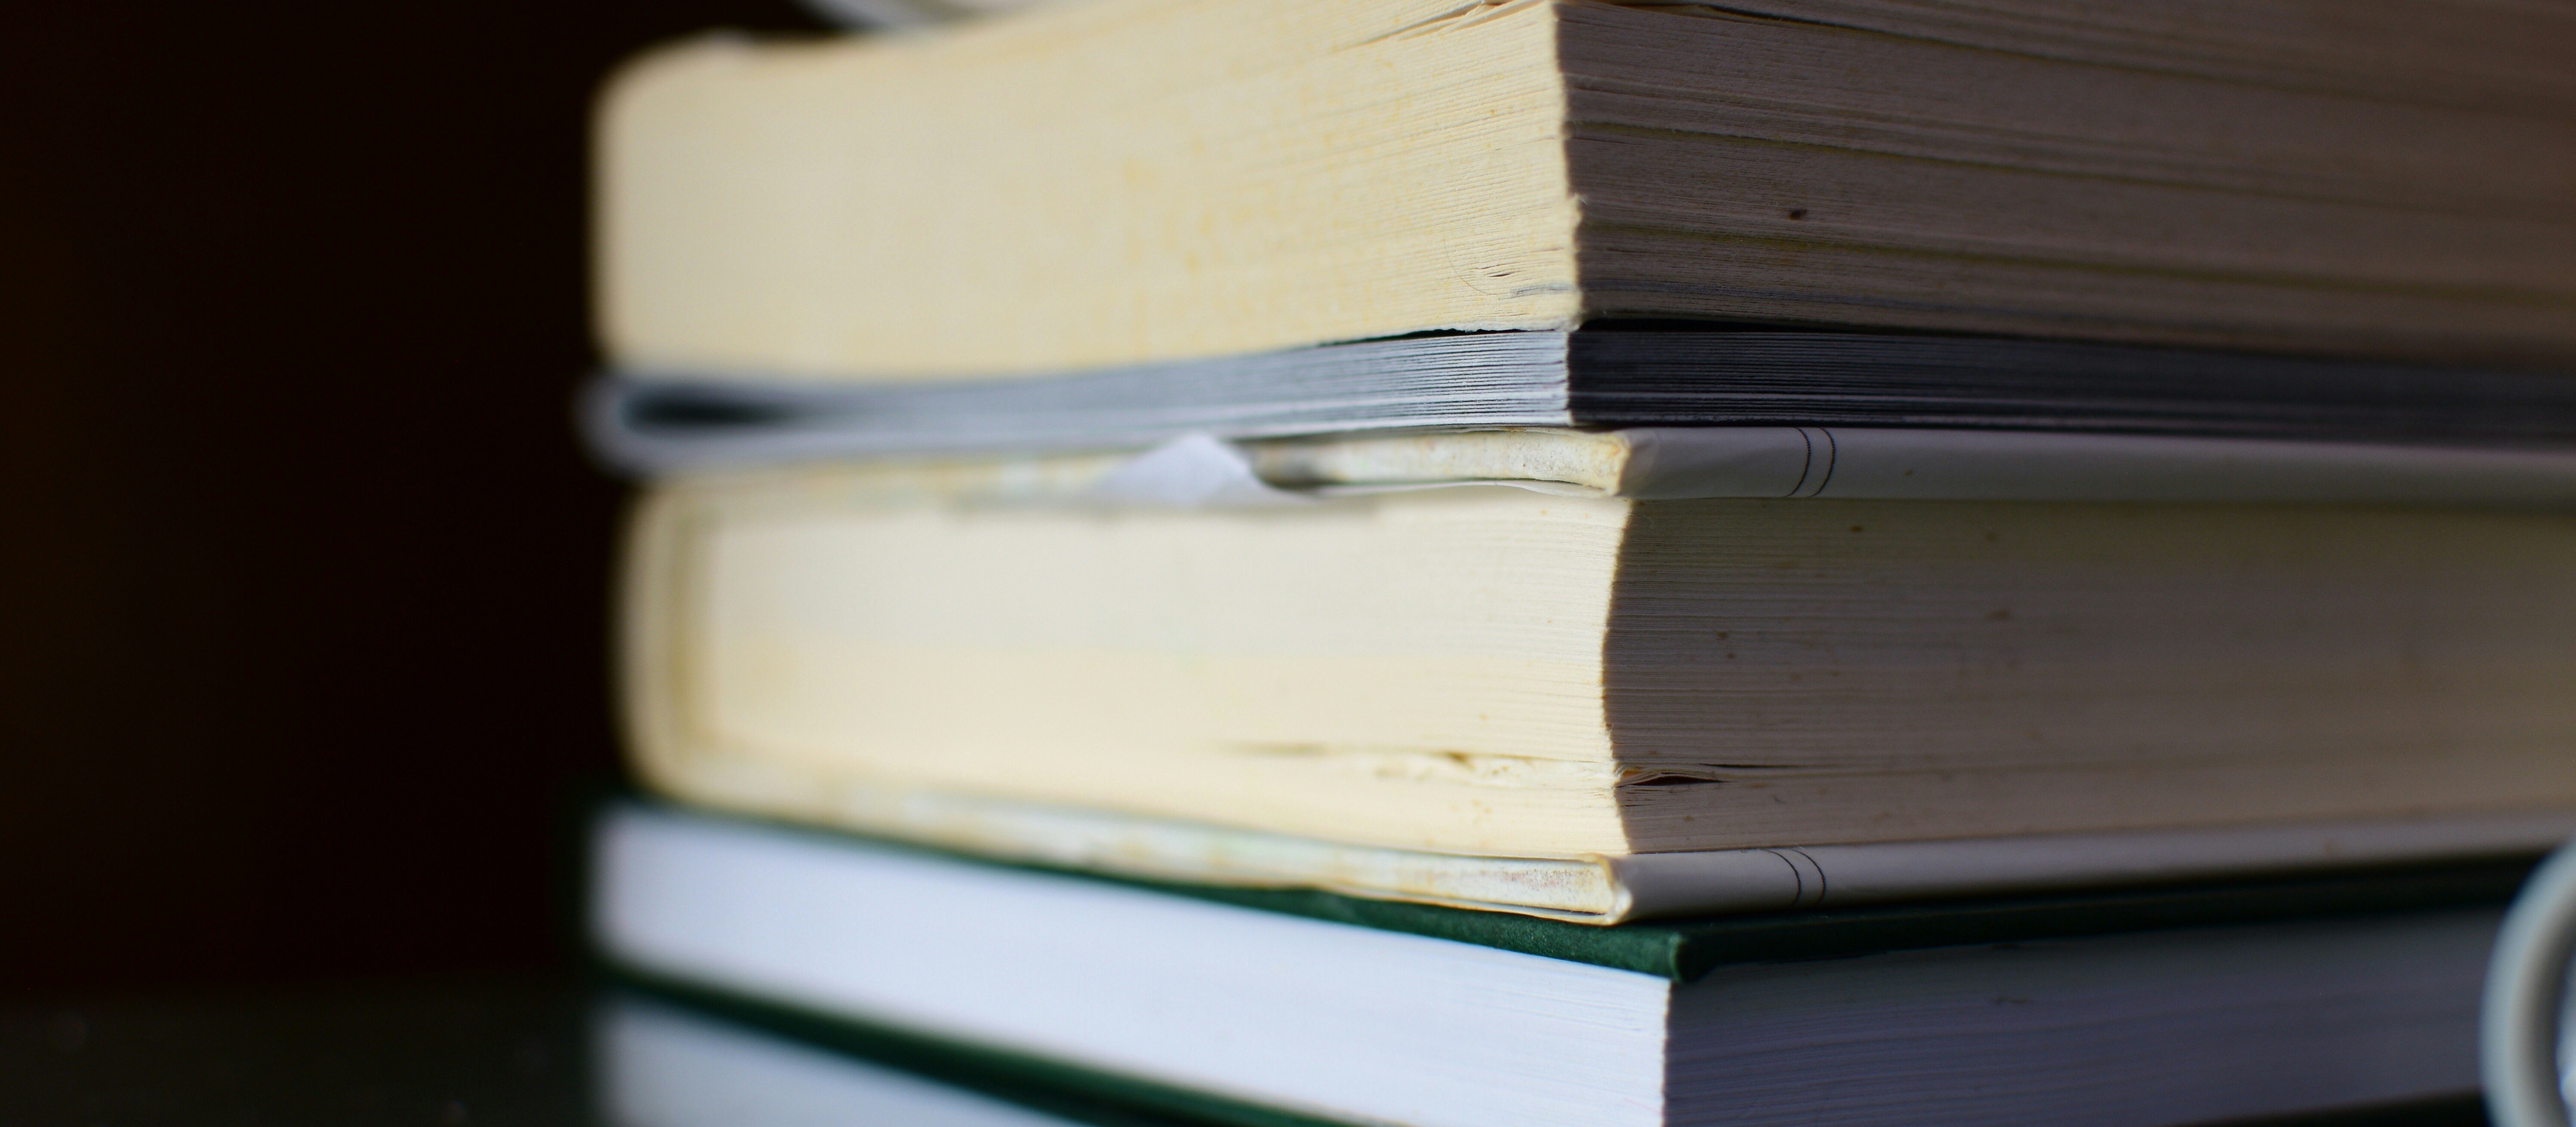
1130, 181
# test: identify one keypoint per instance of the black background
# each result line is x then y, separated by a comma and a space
306, 580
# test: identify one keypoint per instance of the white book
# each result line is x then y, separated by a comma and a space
1255, 1008
660, 1066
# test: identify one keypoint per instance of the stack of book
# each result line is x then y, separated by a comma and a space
1374, 561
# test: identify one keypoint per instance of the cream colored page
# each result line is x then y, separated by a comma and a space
2507, 56
1867, 180
1873, 636
1409, 670
1104, 183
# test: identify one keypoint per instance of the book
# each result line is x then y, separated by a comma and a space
2181, 1005
1130, 181
1631, 376
659, 1064
717, 1063
1564, 700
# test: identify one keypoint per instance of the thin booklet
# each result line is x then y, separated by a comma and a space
658, 419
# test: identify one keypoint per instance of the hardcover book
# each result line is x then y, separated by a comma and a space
2185, 1005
